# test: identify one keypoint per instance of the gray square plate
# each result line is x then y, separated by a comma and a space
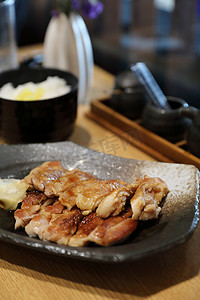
175, 225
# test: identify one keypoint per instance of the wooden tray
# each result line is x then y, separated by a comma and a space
140, 137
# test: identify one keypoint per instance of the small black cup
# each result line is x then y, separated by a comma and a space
193, 132
168, 124
128, 97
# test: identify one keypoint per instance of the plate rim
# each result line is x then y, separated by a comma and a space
88, 253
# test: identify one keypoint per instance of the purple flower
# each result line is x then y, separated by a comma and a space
76, 5
91, 9
54, 13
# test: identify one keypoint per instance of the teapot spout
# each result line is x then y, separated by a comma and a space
188, 112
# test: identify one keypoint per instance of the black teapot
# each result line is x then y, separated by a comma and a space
128, 95
193, 134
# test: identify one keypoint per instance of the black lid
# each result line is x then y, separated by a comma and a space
127, 79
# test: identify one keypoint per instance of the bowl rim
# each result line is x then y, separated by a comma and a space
151, 108
74, 88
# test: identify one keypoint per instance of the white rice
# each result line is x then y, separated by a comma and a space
53, 86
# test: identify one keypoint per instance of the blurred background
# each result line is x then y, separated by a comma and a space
165, 34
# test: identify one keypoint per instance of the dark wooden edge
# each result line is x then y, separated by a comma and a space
137, 135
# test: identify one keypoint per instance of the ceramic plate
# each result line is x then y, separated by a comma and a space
175, 225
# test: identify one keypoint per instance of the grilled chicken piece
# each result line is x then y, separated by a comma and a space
114, 229
104, 232
41, 220
148, 195
41, 175
55, 227
86, 227
29, 207
37, 225
69, 178
87, 195
114, 203
33, 198
63, 226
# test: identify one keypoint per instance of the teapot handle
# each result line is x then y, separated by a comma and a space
188, 111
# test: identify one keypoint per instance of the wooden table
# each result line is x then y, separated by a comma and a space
28, 274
